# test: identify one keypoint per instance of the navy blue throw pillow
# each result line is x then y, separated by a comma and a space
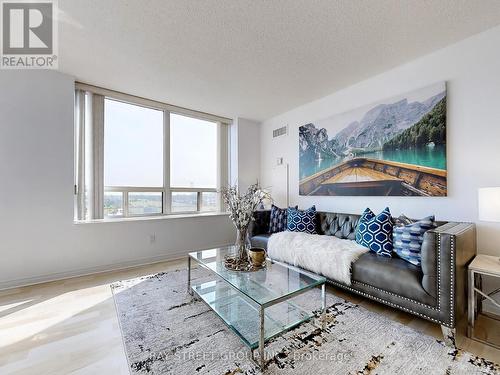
375, 231
277, 222
302, 221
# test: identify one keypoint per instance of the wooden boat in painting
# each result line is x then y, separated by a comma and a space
362, 176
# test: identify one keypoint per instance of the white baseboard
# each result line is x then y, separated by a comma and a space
94, 270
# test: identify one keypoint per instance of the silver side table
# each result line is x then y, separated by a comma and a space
482, 265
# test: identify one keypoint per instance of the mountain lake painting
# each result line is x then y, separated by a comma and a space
396, 147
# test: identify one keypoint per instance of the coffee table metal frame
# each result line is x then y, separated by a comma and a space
261, 361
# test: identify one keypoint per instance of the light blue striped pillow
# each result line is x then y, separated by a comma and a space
407, 240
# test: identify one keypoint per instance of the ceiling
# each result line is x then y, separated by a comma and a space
254, 58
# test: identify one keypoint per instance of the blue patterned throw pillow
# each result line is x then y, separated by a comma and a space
302, 221
375, 231
408, 239
277, 222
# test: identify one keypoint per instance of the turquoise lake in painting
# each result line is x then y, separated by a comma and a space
433, 157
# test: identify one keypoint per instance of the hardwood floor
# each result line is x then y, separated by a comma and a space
70, 326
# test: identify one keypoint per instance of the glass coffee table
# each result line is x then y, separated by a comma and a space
256, 305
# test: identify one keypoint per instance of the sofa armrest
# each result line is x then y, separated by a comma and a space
260, 222
429, 263
446, 252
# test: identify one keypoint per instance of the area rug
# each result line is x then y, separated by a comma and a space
166, 331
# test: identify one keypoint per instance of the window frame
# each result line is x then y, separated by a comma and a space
125, 190
199, 198
99, 190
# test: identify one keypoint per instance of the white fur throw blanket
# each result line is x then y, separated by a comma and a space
324, 255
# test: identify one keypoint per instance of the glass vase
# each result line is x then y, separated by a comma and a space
242, 243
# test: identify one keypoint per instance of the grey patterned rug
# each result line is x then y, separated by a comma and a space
165, 331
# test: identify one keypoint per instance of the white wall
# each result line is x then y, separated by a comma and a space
471, 69
245, 152
38, 239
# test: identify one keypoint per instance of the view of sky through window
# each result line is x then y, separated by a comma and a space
133, 145
193, 152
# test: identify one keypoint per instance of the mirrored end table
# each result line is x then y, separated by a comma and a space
482, 265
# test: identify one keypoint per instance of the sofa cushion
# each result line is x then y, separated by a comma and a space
342, 226
260, 240
260, 222
407, 240
375, 232
302, 221
277, 221
392, 275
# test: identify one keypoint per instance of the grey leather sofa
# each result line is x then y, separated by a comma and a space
436, 291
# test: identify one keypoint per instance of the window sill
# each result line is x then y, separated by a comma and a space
149, 218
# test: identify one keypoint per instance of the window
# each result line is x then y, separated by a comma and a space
133, 157
184, 201
133, 145
136, 157
193, 152
145, 203
193, 163
209, 201
113, 204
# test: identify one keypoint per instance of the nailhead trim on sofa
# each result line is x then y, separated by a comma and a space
397, 295
438, 257
384, 301
452, 281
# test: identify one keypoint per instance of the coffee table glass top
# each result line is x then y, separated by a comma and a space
273, 283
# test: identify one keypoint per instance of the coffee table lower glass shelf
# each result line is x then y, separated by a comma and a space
242, 317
